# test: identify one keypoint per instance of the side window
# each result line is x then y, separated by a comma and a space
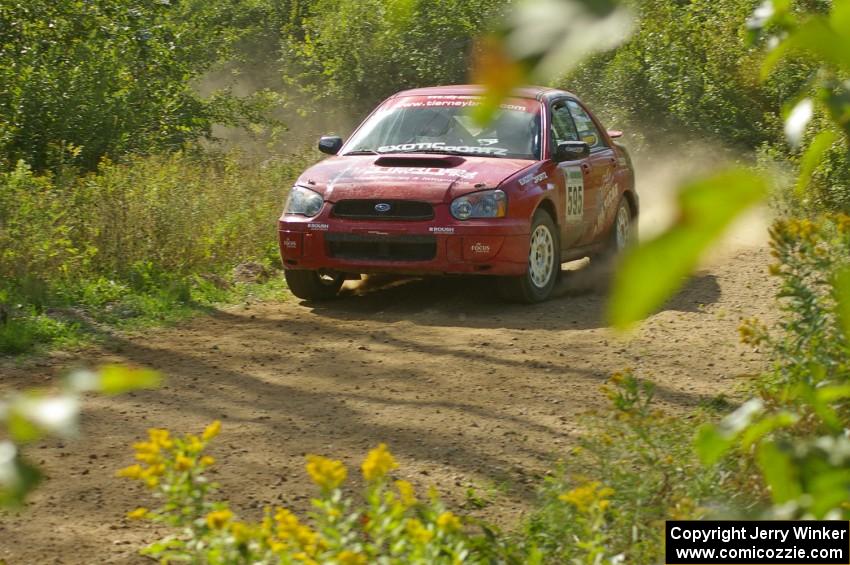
563, 128
587, 130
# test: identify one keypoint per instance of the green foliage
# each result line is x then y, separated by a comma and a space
383, 46
795, 430
142, 240
697, 75
632, 472
21, 333
81, 80
28, 417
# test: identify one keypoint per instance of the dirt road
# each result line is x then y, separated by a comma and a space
468, 393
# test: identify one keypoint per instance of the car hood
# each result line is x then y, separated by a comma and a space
427, 177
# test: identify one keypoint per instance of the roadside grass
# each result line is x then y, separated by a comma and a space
83, 319
147, 241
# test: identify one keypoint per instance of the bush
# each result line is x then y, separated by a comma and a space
697, 76
408, 40
793, 434
612, 494
83, 80
390, 525
135, 240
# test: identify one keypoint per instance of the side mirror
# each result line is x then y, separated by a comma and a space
330, 144
571, 151
615, 133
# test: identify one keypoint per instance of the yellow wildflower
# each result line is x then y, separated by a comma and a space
405, 491
304, 558
194, 444
131, 472
211, 431
152, 472
146, 447
326, 473
207, 460
378, 463
149, 458
417, 531
160, 438
290, 528
349, 557
448, 522
152, 482
241, 531
137, 514
182, 463
588, 496
218, 518
287, 522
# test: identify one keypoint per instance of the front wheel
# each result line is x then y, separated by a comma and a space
544, 264
313, 285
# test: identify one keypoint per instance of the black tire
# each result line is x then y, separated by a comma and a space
310, 285
535, 285
620, 236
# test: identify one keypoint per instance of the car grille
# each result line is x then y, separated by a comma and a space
381, 248
410, 210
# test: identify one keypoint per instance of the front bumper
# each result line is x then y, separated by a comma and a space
492, 247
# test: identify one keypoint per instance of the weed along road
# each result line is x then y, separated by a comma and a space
473, 396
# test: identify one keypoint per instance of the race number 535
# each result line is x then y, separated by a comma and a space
575, 193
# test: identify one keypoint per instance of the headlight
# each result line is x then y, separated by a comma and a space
484, 204
303, 201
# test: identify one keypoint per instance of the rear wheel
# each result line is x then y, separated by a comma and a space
313, 285
544, 264
622, 233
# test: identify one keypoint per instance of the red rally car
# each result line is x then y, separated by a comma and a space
420, 188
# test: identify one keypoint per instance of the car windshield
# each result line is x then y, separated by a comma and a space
442, 124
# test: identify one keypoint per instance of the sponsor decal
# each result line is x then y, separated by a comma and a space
531, 177
574, 180
318, 227
455, 101
290, 243
411, 172
609, 191
440, 146
441, 229
479, 247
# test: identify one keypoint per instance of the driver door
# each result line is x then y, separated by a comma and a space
575, 180
600, 192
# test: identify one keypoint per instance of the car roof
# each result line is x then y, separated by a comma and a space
534, 92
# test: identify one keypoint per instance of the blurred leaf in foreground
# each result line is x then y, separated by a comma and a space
114, 379
651, 273
17, 477
812, 158
841, 287
543, 39
29, 416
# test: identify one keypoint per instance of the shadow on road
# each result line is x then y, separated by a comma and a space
578, 302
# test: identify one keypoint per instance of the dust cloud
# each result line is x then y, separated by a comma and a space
661, 174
